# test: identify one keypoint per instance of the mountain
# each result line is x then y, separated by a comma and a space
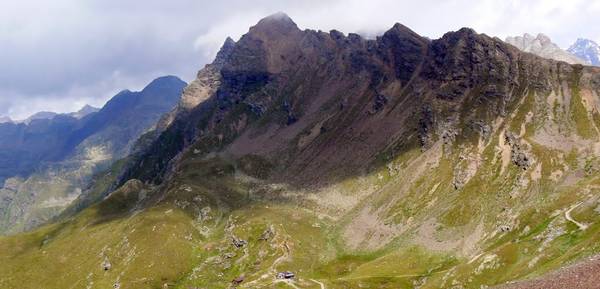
47, 115
587, 50
40, 116
396, 162
84, 111
5, 119
47, 163
541, 45
24, 145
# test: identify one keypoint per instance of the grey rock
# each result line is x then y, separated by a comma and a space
238, 243
519, 155
106, 265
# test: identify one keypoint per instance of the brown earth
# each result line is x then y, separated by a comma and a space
583, 275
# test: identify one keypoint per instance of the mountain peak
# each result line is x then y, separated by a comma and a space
587, 50
400, 28
543, 38
279, 17
467, 30
164, 81
224, 52
275, 23
40, 115
228, 42
87, 107
584, 41
84, 111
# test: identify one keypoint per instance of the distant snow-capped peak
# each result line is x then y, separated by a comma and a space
587, 50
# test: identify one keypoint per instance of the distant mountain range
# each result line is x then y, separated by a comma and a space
47, 160
583, 51
541, 45
587, 50
40, 115
85, 110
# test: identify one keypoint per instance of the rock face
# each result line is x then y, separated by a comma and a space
50, 161
587, 50
518, 154
463, 157
431, 79
542, 45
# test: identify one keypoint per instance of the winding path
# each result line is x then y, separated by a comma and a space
288, 282
568, 217
397, 276
320, 283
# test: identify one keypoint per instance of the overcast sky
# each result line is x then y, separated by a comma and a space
59, 55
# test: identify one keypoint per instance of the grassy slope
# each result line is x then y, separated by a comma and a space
168, 244
145, 250
178, 243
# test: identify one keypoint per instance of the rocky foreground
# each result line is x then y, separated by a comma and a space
583, 275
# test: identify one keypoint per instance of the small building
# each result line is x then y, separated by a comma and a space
286, 275
106, 264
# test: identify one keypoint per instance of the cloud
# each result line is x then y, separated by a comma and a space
232, 26
59, 54
564, 21
72, 99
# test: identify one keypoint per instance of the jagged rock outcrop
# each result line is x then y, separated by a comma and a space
518, 153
